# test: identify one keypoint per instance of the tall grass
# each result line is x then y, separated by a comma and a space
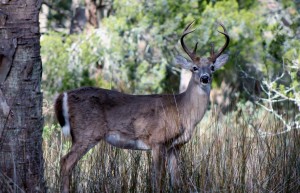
226, 154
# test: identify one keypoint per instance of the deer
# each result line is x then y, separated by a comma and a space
160, 123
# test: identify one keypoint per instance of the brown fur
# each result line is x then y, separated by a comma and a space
161, 123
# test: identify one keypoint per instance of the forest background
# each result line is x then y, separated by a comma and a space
249, 139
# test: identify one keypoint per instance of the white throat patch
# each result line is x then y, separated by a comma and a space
203, 90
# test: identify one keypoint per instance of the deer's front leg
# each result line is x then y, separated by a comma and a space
159, 167
173, 167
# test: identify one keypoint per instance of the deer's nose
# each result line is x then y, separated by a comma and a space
205, 79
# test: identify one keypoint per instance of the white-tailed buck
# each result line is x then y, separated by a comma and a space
160, 123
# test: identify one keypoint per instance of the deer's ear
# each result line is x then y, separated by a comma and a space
221, 60
183, 62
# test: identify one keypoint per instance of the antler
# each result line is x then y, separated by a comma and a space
192, 55
213, 56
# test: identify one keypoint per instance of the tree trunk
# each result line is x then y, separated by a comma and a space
91, 14
21, 120
78, 21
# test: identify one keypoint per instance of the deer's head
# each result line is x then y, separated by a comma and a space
203, 68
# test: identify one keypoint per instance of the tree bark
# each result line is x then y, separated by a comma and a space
21, 120
91, 13
78, 21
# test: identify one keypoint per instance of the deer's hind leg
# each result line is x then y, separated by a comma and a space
68, 162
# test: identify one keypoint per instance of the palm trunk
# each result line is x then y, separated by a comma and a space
21, 120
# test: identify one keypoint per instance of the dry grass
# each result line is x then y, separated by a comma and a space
224, 155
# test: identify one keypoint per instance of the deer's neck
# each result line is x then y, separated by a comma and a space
193, 104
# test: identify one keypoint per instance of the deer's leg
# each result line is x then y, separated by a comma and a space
159, 158
68, 162
173, 167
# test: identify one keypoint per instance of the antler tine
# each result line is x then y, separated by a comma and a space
186, 31
195, 48
214, 56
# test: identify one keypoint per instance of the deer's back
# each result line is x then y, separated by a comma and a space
152, 118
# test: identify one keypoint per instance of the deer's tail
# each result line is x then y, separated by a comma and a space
62, 113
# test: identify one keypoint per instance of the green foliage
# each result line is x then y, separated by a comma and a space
134, 49
68, 61
71, 61
59, 12
164, 21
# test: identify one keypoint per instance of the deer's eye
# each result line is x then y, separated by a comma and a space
212, 68
195, 68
